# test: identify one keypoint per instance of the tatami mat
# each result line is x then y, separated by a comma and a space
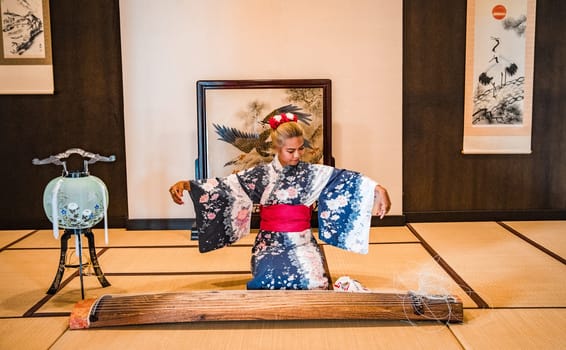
120, 238
286, 335
144, 260
116, 238
512, 329
549, 234
46, 239
395, 268
68, 296
9, 237
520, 281
388, 234
26, 276
503, 269
391, 234
31, 333
163, 238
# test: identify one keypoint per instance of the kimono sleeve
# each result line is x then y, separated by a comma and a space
344, 211
223, 211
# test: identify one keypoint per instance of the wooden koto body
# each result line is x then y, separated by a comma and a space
233, 305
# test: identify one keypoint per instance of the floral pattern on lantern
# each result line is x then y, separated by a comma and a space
75, 201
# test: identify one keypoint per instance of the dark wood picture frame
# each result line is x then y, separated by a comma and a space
207, 122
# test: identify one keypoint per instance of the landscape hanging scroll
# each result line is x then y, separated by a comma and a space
25, 47
499, 76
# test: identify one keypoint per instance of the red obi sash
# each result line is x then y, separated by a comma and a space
284, 218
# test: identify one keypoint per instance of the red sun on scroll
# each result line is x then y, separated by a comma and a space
499, 12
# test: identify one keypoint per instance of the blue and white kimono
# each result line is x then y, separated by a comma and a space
286, 260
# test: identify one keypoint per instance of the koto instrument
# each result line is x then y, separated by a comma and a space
234, 305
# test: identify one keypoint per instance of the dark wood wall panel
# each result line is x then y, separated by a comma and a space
440, 182
86, 111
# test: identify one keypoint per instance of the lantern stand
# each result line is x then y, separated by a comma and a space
76, 228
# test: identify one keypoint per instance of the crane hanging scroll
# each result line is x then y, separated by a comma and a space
237, 305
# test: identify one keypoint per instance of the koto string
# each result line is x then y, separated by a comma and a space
105, 305
431, 283
409, 308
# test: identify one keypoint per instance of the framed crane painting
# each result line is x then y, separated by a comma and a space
233, 127
499, 76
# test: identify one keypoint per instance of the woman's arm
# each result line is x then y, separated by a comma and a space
176, 191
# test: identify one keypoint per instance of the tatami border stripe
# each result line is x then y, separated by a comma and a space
31, 311
18, 240
451, 272
38, 305
531, 242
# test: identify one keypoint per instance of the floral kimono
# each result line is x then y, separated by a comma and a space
285, 254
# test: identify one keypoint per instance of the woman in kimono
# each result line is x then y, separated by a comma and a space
285, 254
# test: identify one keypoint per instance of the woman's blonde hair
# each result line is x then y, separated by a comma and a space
285, 131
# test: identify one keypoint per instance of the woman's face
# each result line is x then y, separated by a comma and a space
291, 151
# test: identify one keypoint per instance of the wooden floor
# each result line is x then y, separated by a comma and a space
510, 276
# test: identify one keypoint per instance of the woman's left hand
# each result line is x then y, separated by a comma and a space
383, 203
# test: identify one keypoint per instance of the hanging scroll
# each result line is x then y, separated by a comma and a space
25, 48
499, 76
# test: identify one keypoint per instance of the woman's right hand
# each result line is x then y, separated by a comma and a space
176, 191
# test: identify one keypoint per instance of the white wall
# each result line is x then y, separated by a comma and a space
168, 45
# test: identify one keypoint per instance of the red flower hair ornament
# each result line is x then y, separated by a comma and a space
282, 118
